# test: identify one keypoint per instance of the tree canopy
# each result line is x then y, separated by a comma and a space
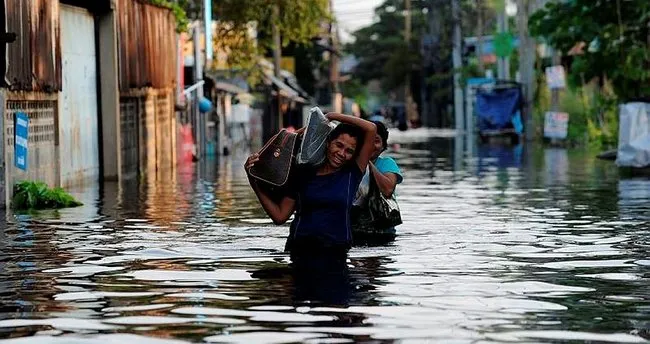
299, 22
383, 54
615, 35
380, 48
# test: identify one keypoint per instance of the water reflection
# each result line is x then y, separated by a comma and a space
633, 195
499, 244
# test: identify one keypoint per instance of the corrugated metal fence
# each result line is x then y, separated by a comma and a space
147, 46
35, 58
147, 75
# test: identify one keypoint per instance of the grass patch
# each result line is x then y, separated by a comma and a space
33, 195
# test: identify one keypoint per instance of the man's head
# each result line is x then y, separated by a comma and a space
381, 139
342, 145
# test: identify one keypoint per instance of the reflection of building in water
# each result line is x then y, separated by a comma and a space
499, 156
26, 249
224, 192
235, 195
499, 165
352, 285
163, 203
556, 166
89, 195
634, 198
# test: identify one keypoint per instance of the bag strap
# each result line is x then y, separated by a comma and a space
285, 138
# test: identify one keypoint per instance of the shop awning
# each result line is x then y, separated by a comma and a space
228, 87
286, 90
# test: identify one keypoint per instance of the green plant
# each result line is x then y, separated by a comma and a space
593, 114
177, 10
30, 195
615, 37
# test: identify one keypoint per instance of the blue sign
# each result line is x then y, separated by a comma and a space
21, 133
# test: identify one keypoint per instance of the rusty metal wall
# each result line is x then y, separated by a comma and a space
147, 46
148, 135
164, 132
148, 124
35, 58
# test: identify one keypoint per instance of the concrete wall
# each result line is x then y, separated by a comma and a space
42, 156
78, 101
109, 97
2, 151
132, 131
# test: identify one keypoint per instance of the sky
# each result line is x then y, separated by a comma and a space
354, 14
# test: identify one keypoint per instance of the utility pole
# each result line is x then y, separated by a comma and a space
555, 92
437, 66
458, 65
479, 35
408, 98
503, 66
198, 76
277, 58
527, 56
335, 72
207, 10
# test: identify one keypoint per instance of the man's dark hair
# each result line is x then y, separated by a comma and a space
382, 131
344, 128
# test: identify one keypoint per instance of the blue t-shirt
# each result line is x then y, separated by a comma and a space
384, 165
323, 206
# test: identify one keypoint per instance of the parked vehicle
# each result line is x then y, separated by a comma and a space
499, 111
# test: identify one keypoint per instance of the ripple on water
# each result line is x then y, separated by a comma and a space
58, 323
495, 247
261, 316
138, 308
84, 270
262, 337
194, 275
201, 296
94, 295
168, 320
116, 338
567, 336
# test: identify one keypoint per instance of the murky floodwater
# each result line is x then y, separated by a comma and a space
498, 245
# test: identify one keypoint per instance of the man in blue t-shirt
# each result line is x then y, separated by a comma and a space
387, 175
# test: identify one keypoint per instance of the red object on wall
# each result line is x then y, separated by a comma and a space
188, 148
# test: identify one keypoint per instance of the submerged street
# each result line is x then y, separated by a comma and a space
499, 244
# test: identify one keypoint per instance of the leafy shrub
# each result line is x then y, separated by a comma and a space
30, 195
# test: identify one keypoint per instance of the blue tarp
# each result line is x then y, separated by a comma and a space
497, 109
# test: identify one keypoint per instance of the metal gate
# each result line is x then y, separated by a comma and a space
131, 110
78, 127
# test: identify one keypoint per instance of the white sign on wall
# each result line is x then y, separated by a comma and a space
556, 125
555, 77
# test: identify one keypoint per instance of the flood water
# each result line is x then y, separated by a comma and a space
499, 244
